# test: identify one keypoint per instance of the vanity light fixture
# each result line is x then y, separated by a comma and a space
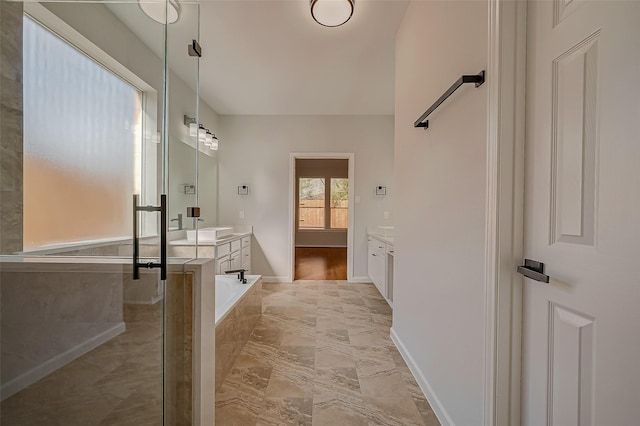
157, 10
204, 135
331, 13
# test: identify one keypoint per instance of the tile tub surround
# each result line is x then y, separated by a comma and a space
234, 328
11, 128
321, 355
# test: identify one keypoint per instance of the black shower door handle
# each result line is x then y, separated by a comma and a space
162, 208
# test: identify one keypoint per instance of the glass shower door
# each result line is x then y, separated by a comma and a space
86, 120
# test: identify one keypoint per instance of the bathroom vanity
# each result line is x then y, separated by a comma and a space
229, 246
380, 260
233, 253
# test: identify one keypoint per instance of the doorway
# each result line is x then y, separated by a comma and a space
321, 216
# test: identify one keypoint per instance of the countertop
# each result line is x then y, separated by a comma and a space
380, 237
232, 237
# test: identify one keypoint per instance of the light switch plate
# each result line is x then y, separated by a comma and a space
385, 215
241, 214
357, 199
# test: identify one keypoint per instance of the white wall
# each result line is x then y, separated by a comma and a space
439, 205
254, 150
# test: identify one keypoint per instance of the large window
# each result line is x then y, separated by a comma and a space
321, 206
82, 143
339, 203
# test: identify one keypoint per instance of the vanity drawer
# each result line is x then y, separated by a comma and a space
223, 250
376, 246
235, 245
246, 241
246, 261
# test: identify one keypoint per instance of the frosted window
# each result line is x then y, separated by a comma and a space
82, 139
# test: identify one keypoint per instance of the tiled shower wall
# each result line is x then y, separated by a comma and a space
10, 127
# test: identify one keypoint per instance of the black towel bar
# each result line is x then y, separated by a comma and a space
478, 79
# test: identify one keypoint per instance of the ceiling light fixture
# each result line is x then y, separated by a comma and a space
157, 10
331, 13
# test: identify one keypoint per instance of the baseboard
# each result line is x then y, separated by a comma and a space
58, 361
436, 405
273, 279
321, 246
360, 280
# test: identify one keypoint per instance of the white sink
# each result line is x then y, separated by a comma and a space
386, 231
209, 235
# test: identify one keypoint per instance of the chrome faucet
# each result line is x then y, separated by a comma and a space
179, 220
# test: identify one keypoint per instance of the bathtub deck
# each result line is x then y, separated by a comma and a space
321, 354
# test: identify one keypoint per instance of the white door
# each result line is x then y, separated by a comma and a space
581, 332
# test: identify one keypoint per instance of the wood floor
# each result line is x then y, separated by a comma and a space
321, 263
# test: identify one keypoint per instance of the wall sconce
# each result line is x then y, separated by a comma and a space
204, 135
243, 190
381, 190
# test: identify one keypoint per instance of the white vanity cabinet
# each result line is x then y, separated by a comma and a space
245, 253
222, 264
380, 265
376, 264
233, 253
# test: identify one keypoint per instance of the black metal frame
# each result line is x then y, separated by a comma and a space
194, 49
163, 237
478, 79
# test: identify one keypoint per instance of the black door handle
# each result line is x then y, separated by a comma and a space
534, 270
162, 208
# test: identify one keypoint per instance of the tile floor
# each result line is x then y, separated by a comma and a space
321, 355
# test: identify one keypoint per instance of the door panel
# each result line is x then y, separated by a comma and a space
581, 332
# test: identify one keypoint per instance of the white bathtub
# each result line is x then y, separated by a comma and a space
229, 291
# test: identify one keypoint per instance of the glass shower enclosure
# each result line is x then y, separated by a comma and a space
94, 98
